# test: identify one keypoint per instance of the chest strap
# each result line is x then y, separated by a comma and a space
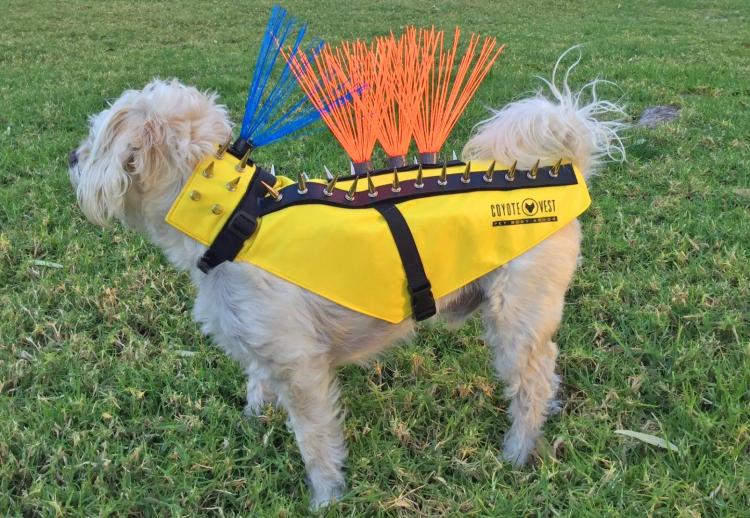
420, 290
240, 226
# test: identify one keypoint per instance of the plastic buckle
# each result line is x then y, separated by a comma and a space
242, 225
203, 265
422, 302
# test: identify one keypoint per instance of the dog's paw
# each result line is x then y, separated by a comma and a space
253, 410
323, 497
518, 449
554, 407
258, 396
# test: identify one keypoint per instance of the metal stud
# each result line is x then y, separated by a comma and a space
224, 147
443, 178
232, 186
351, 168
466, 177
416, 162
195, 195
487, 177
453, 155
329, 175
396, 185
302, 183
217, 209
419, 182
511, 174
352, 192
241, 165
273, 170
208, 172
371, 191
531, 175
555, 171
273, 193
328, 191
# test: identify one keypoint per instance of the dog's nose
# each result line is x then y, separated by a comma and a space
73, 158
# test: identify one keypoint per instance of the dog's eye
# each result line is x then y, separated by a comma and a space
130, 164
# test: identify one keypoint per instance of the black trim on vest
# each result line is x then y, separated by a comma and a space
420, 290
240, 225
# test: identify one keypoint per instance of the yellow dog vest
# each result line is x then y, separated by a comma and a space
341, 247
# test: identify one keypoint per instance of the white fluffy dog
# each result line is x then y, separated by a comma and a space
140, 152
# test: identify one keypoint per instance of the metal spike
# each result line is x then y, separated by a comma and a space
511, 174
329, 175
351, 169
531, 175
232, 186
302, 183
555, 171
195, 195
396, 185
416, 162
241, 166
208, 172
352, 193
307, 177
443, 179
419, 182
466, 177
453, 155
216, 209
371, 191
273, 170
487, 177
224, 147
328, 191
276, 195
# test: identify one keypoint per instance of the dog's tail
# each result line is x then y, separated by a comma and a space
548, 128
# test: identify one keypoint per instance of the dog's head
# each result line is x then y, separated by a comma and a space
140, 151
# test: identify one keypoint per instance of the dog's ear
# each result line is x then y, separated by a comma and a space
101, 190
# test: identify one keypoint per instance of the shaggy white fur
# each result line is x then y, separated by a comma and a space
140, 152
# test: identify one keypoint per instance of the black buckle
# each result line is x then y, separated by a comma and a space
242, 225
422, 302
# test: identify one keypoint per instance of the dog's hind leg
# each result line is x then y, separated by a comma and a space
310, 396
522, 310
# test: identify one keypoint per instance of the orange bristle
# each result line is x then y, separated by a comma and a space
343, 84
405, 80
446, 95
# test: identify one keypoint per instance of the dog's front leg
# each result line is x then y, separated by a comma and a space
258, 395
310, 395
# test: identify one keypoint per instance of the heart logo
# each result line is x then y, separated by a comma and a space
529, 207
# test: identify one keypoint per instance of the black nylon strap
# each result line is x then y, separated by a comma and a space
420, 290
240, 225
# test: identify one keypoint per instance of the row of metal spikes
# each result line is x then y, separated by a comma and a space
442, 180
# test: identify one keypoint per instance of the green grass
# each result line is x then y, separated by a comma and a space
102, 412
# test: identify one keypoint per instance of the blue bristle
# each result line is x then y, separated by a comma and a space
271, 113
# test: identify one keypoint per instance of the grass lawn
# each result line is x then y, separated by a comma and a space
111, 402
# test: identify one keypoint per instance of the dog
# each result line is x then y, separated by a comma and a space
142, 149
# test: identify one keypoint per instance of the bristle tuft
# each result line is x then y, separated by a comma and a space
275, 110
343, 84
405, 79
446, 94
